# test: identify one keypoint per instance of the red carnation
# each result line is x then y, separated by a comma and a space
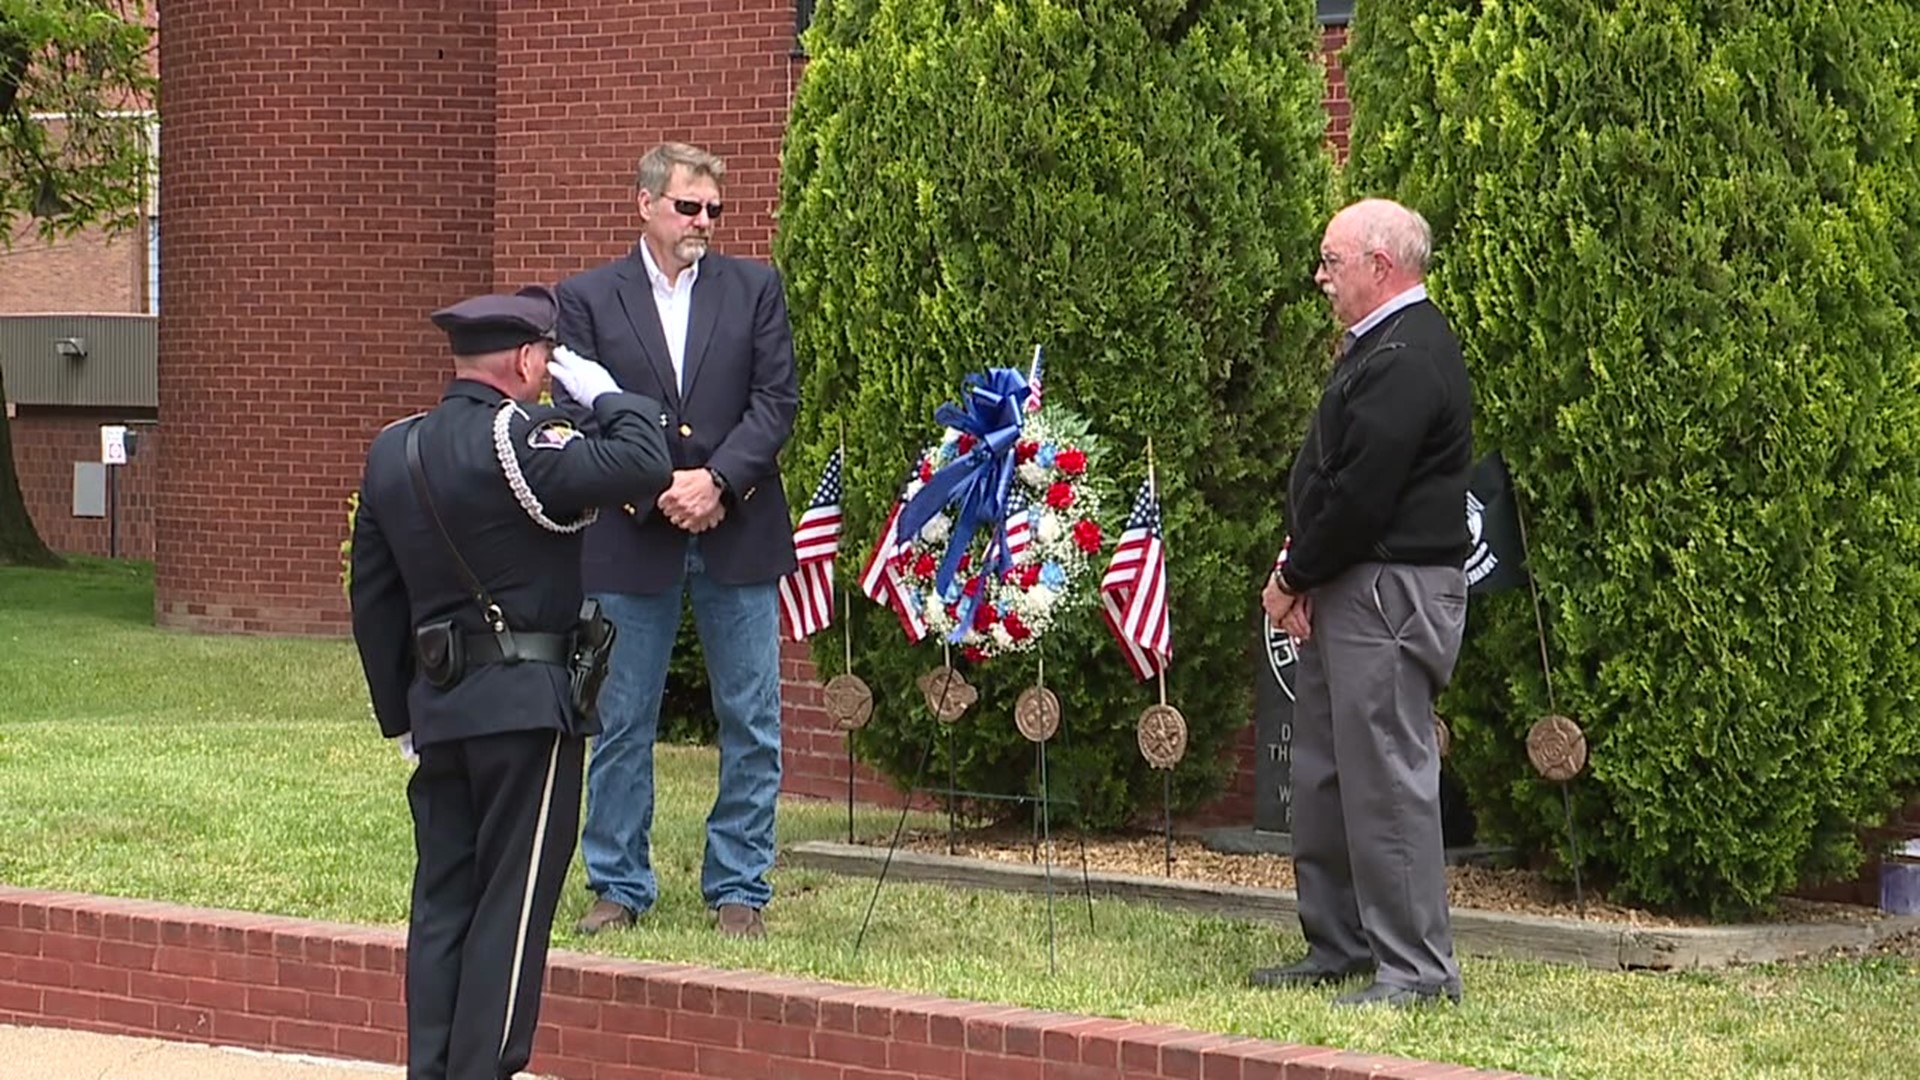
923, 566
1086, 533
1016, 629
974, 585
1060, 496
963, 444
1024, 450
966, 560
974, 655
1030, 575
1071, 461
926, 472
983, 618
953, 613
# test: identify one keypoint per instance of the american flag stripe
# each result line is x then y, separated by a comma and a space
818, 536
873, 577
880, 581
806, 595
1133, 591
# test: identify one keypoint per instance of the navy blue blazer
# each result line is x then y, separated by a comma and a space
734, 418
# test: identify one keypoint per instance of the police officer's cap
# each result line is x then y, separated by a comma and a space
494, 323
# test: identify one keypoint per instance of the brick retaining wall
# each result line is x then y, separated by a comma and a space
145, 968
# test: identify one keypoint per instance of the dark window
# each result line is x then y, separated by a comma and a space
802, 18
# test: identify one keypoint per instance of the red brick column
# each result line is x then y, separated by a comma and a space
329, 181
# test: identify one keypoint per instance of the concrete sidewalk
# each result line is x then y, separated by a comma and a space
58, 1054
54, 1054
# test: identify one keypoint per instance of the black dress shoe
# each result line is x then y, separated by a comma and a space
1303, 973
1400, 997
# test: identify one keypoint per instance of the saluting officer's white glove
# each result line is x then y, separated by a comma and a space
407, 752
582, 379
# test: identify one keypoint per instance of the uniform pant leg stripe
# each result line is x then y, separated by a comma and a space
526, 899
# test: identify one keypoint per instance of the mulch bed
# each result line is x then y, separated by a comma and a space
1483, 888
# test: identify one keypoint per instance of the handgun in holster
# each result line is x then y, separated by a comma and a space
439, 649
592, 649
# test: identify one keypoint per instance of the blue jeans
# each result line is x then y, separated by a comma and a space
739, 628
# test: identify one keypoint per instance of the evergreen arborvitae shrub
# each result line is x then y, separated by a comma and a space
1678, 239
1138, 187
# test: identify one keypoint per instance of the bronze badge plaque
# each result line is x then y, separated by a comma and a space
1163, 736
849, 702
1557, 748
1037, 713
948, 693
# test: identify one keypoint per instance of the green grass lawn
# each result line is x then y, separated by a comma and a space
247, 773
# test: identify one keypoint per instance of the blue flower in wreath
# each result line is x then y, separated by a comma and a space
1045, 455
1053, 575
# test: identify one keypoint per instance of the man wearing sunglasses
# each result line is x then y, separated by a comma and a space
708, 335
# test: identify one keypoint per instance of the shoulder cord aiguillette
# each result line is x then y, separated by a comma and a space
517, 480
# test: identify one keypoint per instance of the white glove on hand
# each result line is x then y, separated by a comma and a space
582, 379
407, 754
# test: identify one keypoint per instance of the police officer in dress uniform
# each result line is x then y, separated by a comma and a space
479, 652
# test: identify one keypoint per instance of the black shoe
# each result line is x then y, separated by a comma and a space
1399, 997
1304, 973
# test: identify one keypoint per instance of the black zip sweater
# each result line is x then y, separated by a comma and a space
1382, 476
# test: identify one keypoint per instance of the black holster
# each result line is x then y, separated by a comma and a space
592, 649
440, 650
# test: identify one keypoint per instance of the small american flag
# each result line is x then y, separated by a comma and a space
1033, 382
806, 595
1019, 524
1133, 593
880, 579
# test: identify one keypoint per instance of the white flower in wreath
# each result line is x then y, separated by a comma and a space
937, 529
1033, 475
1040, 599
1002, 637
913, 488
932, 611
1050, 528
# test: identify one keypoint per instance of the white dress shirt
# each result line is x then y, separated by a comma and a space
674, 301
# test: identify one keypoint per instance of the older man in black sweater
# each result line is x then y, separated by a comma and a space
1371, 586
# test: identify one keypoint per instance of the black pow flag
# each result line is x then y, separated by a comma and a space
1498, 559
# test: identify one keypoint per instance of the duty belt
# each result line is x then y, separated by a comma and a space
537, 648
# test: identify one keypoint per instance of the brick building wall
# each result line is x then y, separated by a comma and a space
329, 179
47, 441
585, 88
87, 272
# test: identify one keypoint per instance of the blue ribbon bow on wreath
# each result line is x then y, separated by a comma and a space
992, 409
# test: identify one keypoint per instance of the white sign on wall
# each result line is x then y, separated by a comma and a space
113, 444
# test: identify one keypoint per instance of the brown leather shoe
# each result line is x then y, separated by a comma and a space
739, 920
604, 915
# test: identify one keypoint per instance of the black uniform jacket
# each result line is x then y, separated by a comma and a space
1382, 476
403, 576
735, 415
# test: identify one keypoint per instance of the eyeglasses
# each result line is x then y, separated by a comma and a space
692, 207
1331, 260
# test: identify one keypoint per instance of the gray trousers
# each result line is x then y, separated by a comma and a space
1368, 858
